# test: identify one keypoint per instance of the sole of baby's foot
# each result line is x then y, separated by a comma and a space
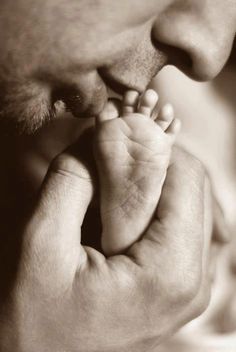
132, 154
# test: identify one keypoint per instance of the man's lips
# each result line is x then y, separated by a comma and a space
117, 84
84, 95
87, 95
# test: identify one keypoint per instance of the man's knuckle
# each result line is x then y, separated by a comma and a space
201, 302
64, 162
67, 165
183, 290
178, 288
182, 293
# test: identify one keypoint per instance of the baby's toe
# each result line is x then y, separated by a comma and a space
174, 128
165, 116
130, 102
148, 102
110, 111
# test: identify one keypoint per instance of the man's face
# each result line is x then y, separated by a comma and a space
72, 50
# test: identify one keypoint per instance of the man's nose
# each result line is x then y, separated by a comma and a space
197, 50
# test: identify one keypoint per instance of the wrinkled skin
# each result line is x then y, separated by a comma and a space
57, 295
66, 297
72, 49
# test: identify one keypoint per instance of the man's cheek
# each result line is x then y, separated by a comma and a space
25, 106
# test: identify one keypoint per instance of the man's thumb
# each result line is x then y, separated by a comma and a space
54, 230
66, 192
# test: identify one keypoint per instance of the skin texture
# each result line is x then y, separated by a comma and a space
79, 300
72, 49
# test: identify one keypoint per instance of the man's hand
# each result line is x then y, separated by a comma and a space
67, 297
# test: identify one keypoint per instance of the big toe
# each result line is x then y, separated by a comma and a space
110, 111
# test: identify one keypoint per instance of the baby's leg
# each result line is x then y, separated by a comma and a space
132, 154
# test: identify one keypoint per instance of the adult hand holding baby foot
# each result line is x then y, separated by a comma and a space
82, 301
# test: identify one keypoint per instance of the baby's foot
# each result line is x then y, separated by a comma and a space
132, 154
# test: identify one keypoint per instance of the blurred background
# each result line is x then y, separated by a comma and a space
208, 115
